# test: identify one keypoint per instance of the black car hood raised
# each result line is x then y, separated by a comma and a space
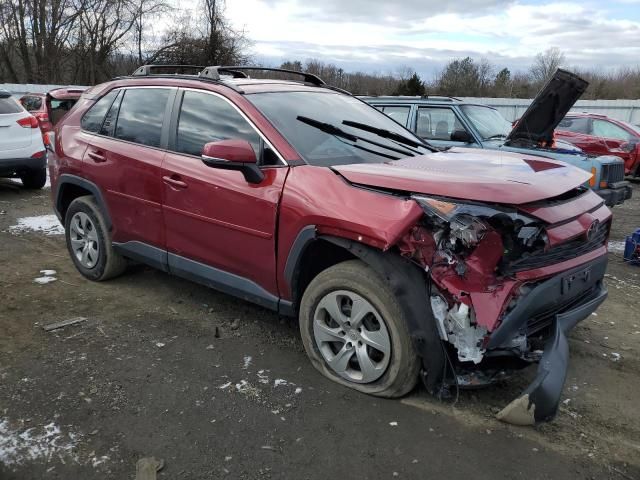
549, 107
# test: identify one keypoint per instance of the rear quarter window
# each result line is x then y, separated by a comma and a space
31, 103
9, 105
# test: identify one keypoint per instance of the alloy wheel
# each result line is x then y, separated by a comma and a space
351, 336
84, 240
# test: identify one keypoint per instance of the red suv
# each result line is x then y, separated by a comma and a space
602, 135
50, 107
399, 261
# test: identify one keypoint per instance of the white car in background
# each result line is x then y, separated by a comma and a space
22, 151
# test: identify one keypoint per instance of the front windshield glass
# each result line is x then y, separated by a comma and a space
328, 128
487, 121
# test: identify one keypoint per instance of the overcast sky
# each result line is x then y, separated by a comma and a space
385, 35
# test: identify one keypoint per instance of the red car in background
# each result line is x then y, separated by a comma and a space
50, 107
601, 135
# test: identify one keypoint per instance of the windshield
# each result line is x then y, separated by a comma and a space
327, 128
487, 121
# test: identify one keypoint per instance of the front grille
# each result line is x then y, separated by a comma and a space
560, 253
542, 320
613, 173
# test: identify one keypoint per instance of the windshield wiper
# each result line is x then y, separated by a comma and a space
338, 132
327, 128
381, 132
495, 137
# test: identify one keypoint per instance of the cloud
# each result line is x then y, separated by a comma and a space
425, 34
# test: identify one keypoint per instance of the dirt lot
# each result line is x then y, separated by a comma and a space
218, 387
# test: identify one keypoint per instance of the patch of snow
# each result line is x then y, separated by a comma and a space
393, 424
160, 344
280, 381
44, 280
49, 273
47, 224
18, 446
247, 362
298, 390
224, 386
616, 247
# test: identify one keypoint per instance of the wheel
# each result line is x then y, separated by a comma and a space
89, 242
355, 333
34, 179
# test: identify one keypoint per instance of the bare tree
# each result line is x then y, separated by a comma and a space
545, 64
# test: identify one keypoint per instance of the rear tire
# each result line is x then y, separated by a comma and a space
34, 179
89, 241
348, 290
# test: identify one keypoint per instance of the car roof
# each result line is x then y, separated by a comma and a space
423, 100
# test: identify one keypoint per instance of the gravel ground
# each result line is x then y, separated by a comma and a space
221, 388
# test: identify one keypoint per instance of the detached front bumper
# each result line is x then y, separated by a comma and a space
616, 194
571, 297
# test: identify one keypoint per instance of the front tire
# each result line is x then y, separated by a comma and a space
89, 242
34, 179
355, 332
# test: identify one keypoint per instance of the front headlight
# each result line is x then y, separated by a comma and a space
469, 222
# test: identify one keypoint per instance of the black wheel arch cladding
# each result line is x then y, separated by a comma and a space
409, 285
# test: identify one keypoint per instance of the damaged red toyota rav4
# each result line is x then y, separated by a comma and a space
400, 262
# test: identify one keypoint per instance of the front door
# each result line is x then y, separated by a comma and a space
220, 229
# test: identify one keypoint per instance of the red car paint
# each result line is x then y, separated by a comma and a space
249, 230
45, 111
625, 145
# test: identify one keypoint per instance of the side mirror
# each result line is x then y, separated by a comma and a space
461, 136
233, 154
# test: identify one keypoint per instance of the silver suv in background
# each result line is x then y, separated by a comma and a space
447, 122
22, 152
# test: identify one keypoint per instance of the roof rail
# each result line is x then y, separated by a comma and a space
146, 70
214, 72
442, 97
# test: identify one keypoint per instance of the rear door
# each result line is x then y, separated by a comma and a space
125, 157
219, 228
15, 139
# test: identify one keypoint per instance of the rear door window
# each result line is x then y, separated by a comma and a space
400, 113
208, 118
9, 105
92, 120
141, 116
576, 125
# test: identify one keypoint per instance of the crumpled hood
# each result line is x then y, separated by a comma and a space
471, 174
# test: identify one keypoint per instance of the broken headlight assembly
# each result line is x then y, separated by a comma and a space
468, 223
473, 244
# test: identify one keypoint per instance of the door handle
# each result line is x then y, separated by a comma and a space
174, 182
97, 157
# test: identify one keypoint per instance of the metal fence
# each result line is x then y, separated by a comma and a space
510, 108
18, 89
513, 108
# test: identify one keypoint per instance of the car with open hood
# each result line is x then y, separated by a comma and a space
450, 122
399, 262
